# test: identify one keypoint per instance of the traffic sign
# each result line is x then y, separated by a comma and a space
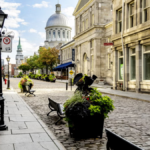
6, 44
71, 73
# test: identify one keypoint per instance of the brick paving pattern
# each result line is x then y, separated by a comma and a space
130, 119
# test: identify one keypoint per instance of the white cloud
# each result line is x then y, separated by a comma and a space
32, 31
13, 20
43, 4
68, 12
42, 34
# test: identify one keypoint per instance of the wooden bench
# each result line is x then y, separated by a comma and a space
28, 90
56, 107
116, 142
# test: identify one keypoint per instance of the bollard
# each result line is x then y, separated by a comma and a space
71, 85
66, 86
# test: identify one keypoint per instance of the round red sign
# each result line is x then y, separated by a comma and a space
6, 40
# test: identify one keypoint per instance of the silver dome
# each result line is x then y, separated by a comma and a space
57, 19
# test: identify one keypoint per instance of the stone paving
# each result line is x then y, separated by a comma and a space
130, 119
26, 131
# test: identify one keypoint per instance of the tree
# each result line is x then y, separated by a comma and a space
24, 67
48, 57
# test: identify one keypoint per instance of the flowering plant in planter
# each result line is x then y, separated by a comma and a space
23, 82
85, 113
52, 77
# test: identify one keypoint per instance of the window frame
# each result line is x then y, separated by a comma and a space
130, 67
119, 56
119, 21
143, 65
131, 16
144, 9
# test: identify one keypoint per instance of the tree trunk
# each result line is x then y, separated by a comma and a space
46, 69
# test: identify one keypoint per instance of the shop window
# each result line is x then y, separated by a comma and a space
119, 20
121, 71
132, 64
131, 13
146, 59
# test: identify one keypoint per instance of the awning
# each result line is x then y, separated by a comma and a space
63, 66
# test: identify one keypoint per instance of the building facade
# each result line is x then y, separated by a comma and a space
57, 29
131, 38
93, 28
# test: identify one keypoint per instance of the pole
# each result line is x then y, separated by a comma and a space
8, 83
2, 124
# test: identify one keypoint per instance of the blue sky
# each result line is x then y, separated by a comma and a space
27, 19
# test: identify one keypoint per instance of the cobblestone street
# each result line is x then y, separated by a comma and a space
130, 119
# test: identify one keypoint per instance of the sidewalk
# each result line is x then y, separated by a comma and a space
106, 89
26, 131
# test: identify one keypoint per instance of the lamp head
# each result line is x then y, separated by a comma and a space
8, 59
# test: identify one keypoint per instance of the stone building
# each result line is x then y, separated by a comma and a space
93, 28
131, 38
57, 29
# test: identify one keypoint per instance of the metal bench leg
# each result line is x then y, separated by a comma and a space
49, 113
58, 121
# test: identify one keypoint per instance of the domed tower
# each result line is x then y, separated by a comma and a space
57, 29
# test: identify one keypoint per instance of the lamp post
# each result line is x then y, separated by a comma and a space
8, 83
3, 16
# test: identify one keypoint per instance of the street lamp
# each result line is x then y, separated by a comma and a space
8, 83
3, 16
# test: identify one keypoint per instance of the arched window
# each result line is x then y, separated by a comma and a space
63, 34
59, 33
54, 35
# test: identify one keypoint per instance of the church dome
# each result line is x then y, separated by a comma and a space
57, 19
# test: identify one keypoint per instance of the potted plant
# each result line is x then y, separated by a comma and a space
23, 82
52, 77
85, 114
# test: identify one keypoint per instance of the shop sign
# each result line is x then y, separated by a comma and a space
108, 44
73, 54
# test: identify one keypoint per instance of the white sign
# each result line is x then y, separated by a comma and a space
7, 44
71, 73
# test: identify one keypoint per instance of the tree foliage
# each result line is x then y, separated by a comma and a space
48, 56
24, 67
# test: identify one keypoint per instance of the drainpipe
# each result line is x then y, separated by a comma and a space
123, 45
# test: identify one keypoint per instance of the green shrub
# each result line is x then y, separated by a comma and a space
52, 77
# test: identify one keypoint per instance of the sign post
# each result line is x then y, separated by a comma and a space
71, 75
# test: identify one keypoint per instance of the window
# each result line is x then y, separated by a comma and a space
50, 33
63, 34
86, 23
132, 64
59, 33
54, 35
92, 19
83, 26
131, 13
121, 71
119, 20
68, 34
146, 59
144, 5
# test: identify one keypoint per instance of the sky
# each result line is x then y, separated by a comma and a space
27, 19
